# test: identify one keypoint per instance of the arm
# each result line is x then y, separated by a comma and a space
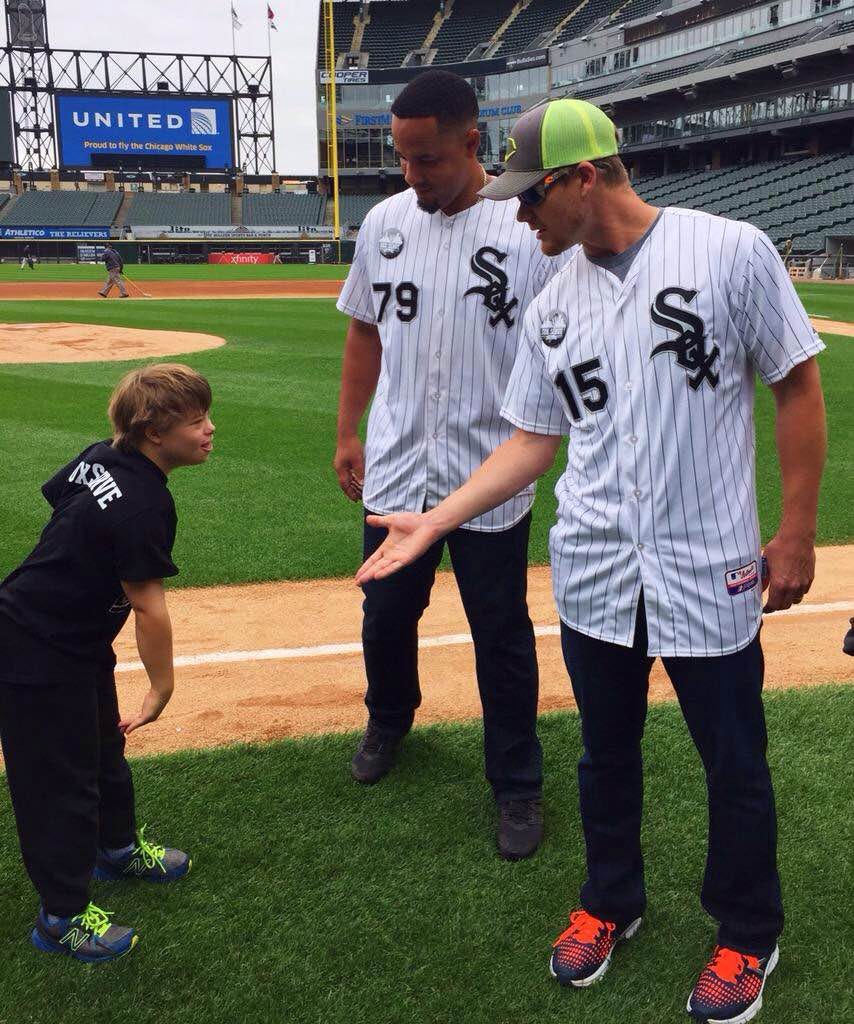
154, 642
801, 443
523, 458
360, 372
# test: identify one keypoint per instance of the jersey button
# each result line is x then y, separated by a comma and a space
636, 493
633, 438
640, 547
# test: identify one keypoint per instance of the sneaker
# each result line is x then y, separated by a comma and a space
848, 641
520, 828
374, 757
729, 989
582, 953
88, 936
146, 861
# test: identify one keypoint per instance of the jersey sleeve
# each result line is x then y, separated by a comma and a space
772, 322
531, 402
356, 298
143, 546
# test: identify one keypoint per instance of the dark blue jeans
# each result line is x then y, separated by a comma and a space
492, 575
721, 701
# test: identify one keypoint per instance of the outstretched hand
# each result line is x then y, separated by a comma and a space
410, 535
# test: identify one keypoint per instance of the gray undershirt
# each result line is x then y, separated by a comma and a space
620, 263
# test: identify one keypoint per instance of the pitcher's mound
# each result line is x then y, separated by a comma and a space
88, 343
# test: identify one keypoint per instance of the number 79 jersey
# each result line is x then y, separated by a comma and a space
652, 378
447, 295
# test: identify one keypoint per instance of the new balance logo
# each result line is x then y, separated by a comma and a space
74, 938
494, 292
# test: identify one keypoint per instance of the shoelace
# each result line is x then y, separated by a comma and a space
727, 964
152, 855
520, 812
583, 927
94, 920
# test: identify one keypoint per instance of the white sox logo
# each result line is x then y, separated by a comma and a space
494, 292
690, 345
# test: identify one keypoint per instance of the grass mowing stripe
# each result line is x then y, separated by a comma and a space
267, 505
316, 900
180, 272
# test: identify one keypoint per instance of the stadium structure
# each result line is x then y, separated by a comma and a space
737, 107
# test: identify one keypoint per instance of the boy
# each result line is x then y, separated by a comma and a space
105, 550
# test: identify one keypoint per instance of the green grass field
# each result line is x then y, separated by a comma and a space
183, 272
267, 505
316, 901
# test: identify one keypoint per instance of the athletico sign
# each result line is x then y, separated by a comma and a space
40, 232
126, 126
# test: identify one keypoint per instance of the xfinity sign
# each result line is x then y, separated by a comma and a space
125, 127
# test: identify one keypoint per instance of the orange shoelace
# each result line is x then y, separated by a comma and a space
583, 927
727, 964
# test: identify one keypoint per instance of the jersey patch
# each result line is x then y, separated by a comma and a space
391, 243
690, 343
553, 328
494, 292
745, 577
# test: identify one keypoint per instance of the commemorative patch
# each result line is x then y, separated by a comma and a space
745, 577
391, 243
553, 328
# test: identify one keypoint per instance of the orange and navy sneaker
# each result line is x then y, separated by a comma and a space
582, 954
729, 989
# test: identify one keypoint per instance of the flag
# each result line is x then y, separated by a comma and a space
270, 16
235, 20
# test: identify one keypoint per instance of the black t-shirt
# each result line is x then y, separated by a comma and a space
113, 519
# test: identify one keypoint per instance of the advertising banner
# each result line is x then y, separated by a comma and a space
52, 232
129, 126
90, 253
228, 231
348, 76
240, 257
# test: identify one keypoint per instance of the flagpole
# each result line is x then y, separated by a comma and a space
269, 33
233, 37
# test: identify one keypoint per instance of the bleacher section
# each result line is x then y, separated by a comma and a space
354, 208
288, 209
396, 27
343, 31
635, 9
61, 209
802, 199
583, 19
747, 53
535, 19
471, 22
194, 208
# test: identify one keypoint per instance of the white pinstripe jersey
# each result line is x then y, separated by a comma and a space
447, 295
653, 381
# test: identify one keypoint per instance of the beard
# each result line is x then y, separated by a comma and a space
427, 207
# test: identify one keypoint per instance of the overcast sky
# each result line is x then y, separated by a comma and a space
204, 26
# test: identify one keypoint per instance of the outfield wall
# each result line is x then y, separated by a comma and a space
183, 251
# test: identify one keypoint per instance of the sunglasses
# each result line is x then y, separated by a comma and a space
535, 194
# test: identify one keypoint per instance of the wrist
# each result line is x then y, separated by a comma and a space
439, 522
798, 528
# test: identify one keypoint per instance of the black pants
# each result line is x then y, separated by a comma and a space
721, 701
492, 574
71, 786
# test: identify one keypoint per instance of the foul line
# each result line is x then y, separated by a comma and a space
449, 640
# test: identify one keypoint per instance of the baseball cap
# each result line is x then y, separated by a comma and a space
552, 134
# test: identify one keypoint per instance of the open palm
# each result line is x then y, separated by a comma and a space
410, 534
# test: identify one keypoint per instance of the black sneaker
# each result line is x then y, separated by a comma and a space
848, 642
520, 828
374, 757
89, 936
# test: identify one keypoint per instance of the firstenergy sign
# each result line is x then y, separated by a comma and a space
127, 126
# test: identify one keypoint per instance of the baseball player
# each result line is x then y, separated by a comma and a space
115, 267
643, 351
104, 551
439, 282
27, 258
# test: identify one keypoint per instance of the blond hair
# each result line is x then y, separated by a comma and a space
157, 397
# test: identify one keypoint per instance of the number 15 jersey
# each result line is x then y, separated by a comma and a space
447, 295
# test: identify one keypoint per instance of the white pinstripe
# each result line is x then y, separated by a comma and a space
435, 416
659, 490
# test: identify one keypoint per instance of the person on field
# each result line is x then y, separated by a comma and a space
439, 282
27, 258
115, 267
104, 552
643, 350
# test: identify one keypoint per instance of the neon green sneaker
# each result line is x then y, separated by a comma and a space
146, 861
88, 936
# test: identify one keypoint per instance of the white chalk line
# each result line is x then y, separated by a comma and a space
449, 640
